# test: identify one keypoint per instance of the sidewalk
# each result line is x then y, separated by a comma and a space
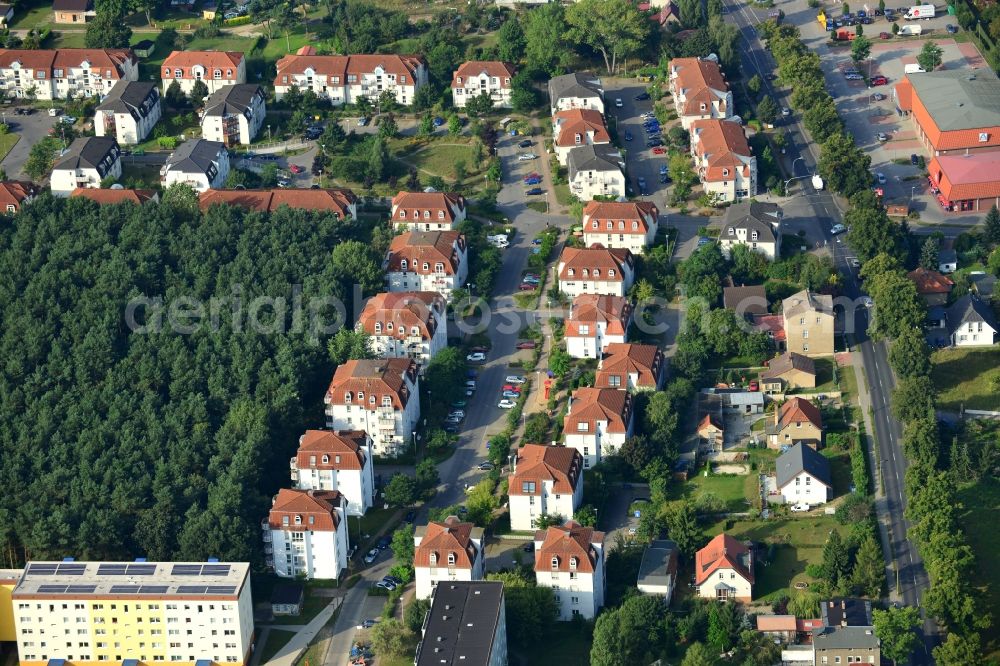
290, 653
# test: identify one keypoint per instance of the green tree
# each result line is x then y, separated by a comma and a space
333, 138
868, 576
482, 502
41, 158
614, 28
844, 168
401, 490
804, 605
638, 452
523, 95
959, 650
348, 344
479, 106
767, 110
390, 638
861, 48
682, 526
870, 230
402, 544
699, 655
545, 33
929, 254
426, 127
895, 627
530, 609
387, 127
454, 124
723, 625
836, 561
445, 376
754, 84
692, 13
511, 40
199, 91
913, 398
929, 57
991, 226
632, 633
560, 362
107, 31
415, 613
426, 470
909, 355
356, 263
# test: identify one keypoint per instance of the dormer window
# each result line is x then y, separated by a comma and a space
594, 225
440, 214
217, 74
586, 272
635, 225
347, 397
703, 106
611, 272
732, 231
439, 267
298, 520
371, 399
326, 459
312, 461
361, 396
378, 328
388, 326
434, 559
555, 562
427, 215
451, 559
402, 214
578, 139
284, 521
572, 563
229, 73
611, 225
312, 520
387, 401
336, 460
725, 173
571, 272
753, 235
426, 266
597, 272
402, 265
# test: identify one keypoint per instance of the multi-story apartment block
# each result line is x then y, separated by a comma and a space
579, 90
569, 559
577, 127
546, 481
809, 323
755, 224
406, 324
596, 171
596, 270
379, 397
466, 625
479, 77
699, 90
305, 534
338, 460
629, 225
346, 79
447, 551
427, 261
725, 164
340, 202
234, 114
95, 613
64, 73
216, 69
595, 322
129, 112
427, 211
88, 162
631, 367
198, 163
597, 423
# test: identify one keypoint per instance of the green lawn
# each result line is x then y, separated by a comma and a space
730, 488
139, 176
31, 15
980, 501
840, 470
966, 378
371, 522
276, 639
438, 157
824, 376
563, 195
7, 141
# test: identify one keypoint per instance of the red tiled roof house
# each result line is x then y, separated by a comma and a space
346, 79
628, 225
631, 367
338, 460
449, 550
483, 77
406, 324
65, 73
342, 203
577, 127
427, 261
598, 422
427, 211
724, 570
797, 420
216, 69
13, 193
569, 559
547, 481
699, 90
596, 270
594, 322
305, 534
725, 164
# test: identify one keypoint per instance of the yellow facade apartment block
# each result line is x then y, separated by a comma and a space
8, 579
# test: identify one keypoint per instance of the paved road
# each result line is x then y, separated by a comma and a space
912, 575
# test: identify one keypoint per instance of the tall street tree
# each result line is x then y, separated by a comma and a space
614, 28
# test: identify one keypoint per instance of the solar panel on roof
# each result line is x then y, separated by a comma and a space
42, 569
186, 570
153, 589
111, 570
124, 589
191, 589
141, 569
74, 569
81, 589
51, 589
215, 570
221, 589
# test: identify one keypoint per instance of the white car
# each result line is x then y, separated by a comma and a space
471, 384
372, 555
362, 121
799, 508
513, 379
476, 357
618, 102
881, 178
526, 157
506, 403
837, 229
786, 112
457, 413
513, 395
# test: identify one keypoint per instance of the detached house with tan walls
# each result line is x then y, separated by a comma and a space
595, 270
546, 481
216, 69
630, 225
479, 77
577, 127
723, 570
797, 421
699, 90
346, 79
723, 160
808, 320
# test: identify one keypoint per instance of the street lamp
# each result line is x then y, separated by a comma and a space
269, 133
794, 177
911, 192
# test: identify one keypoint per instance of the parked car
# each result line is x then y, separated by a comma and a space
69, 120
514, 379
535, 191
854, 77
511, 395
457, 412
914, 159
659, 150
878, 97
882, 137
867, 301
511, 387
880, 177
653, 143
799, 508
704, 240
458, 404
371, 556
475, 357
786, 112
532, 181
368, 624
837, 229
952, 29
410, 516
362, 121
526, 344
529, 547
527, 286
296, 169
642, 97
507, 403
664, 170
383, 542
879, 81
386, 585
484, 466
527, 157
642, 185
53, 112
618, 103
533, 174
628, 135
527, 143
470, 384
393, 580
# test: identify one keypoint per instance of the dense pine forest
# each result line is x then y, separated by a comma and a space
119, 444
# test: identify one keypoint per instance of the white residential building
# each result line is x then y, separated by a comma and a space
87, 163
579, 90
47, 74
596, 171
723, 160
971, 322
201, 164
377, 396
577, 127
802, 476
346, 79
594, 322
427, 211
596, 270
724, 570
754, 224
569, 559
129, 112
338, 460
447, 551
406, 324
234, 114
597, 422
216, 69
628, 225
547, 481
427, 261
305, 534
699, 90
478, 77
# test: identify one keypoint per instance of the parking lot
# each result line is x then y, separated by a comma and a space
32, 129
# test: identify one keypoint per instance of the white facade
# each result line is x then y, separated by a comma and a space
577, 593
443, 556
235, 128
591, 346
215, 69
477, 78
88, 162
633, 240
129, 127
430, 277
749, 237
597, 443
974, 334
427, 578
318, 472
576, 285
67, 74
734, 186
805, 488
740, 587
346, 82
599, 183
391, 429
526, 509
64, 181
199, 180
313, 554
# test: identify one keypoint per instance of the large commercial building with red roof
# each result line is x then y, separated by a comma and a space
956, 115
346, 79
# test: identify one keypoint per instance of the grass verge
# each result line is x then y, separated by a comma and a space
276, 639
7, 142
966, 378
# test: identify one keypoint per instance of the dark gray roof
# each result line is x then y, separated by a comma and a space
72, 5
854, 612
844, 638
959, 99
461, 624
984, 284
753, 216
970, 308
947, 256
577, 84
748, 300
133, 97
801, 458
601, 157
287, 594
195, 156
232, 100
92, 152
659, 563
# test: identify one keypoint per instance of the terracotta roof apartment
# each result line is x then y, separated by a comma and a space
305, 510
590, 405
789, 361
724, 551
396, 314
568, 547
441, 539
421, 251
225, 62
771, 324
930, 282
560, 465
338, 201
106, 197
776, 623
798, 410
721, 148
331, 449
595, 263
964, 177
622, 359
701, 83
357, 382
623, 217
109, 62
15, 192
592, 309
409, 207
342, 66
572, 127
504, 71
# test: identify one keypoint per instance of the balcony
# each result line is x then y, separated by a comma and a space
268, 550
265, 526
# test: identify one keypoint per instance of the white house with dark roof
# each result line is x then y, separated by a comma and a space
756, 225
234, 114
971, 322
579, 90
658, 569
129, 112
569, 559
338, 460
198, 163
802, 476
596, 171
546, 481
88, 161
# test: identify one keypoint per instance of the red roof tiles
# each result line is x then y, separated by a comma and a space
536, 463
395, 314
962, 177
931, 282
569, 546
721, 148
306, 510
724, 551
701, 82
596, 263
624, 217
423, 250
14, 192
342, 66
572, 128
431, 207
623, 359
492, 68
105, 197
451, 537
590, 405
592, 309
108, 62
226, 61
332, 449
798, 410
335, 200
357, 382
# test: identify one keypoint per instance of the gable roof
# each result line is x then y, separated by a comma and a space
786, 362
845, 638
444, 538
772, 324
572, 122
106, 197
722, 149
338, 201
560, 465
195, 156
659, 563
620, 214
622, 359
565, 542
776, 623
592, 309
595, 258
700, 81
91, 152
344, 449
110, 62
710, 421
446, 206
577, 84
807, 301
930, 282
600, 157
724, 551
404, 310
748, 300
136, 98
373, 377
753, 216
801, 458
798, 410
72, 5
317, 508
590, 405
970, 308
341, 66
233, 100
208, 59
430, 247
14, 192
491, 68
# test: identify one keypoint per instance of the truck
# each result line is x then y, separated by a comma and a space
914, 68
919, 12
910, 30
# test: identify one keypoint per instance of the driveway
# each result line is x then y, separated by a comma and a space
640, 160
31, 129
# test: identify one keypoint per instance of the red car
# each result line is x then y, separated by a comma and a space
511, 387
879, 80
533, 175
295, 168
528, 287
659, 150
754, 386
527, 344
884, 35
